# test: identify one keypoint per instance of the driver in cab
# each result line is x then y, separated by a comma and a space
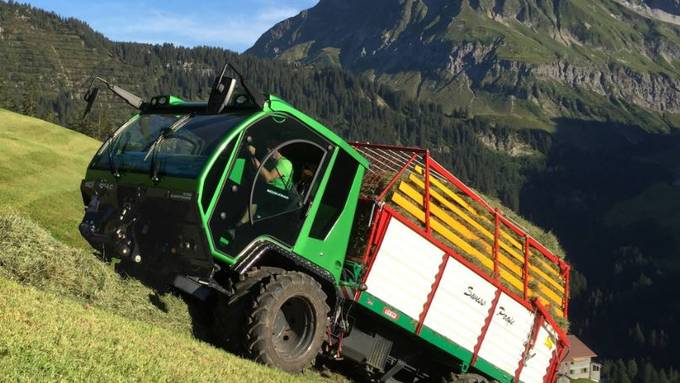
280, 175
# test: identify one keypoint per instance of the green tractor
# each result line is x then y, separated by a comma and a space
245, 202
241, 196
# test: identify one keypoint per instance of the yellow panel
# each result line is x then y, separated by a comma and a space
512, 240
546, 292
449, 192
448, 234
518, 256
555, 284
548, 306
465, 232
435, 210
438, 227
469, 208
433, 193
511, 279
444, 216
547, 266
411, 208
505, 261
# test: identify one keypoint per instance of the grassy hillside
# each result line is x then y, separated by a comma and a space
66, 315
41, 165
45, 337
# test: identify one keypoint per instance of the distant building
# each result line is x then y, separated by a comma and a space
578, 364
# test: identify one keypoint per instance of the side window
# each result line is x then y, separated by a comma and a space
335, 195
214, 175
284, 179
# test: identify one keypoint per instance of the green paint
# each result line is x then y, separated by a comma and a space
236, 174
205, 217
354, 280
445, 344
172, 100
330, 252
493, 371
327, 253
383, 310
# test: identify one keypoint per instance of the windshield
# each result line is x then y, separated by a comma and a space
186, 144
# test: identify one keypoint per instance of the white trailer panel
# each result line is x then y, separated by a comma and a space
403, 275
404, 269
460, 305
539, 357
508, 334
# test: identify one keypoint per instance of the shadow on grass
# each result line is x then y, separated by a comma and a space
151, 276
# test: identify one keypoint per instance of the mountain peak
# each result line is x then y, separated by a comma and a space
536, 53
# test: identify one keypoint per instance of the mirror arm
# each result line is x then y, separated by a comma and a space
256, 96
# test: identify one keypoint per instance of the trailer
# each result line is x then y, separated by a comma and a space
302, 244
444, 265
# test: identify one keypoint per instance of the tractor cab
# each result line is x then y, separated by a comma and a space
184, 189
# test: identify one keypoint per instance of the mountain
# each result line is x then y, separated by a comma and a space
531, 60
602, 77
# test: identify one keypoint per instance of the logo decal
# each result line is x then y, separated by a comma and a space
507, 318
391, 314
471, 293
549, 343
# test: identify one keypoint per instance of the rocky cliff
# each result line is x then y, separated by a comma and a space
536, 59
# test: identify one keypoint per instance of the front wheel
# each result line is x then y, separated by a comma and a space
288, 322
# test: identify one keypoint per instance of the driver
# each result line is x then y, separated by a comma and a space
280, 175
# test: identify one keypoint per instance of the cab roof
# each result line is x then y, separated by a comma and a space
274, 104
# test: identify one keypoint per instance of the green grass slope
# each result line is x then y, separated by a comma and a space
44, 337
41, 165
64, 314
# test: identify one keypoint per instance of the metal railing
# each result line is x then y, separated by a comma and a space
417, 188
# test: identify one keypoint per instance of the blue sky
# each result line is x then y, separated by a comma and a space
231, 24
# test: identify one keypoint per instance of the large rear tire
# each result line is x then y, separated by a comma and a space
288, 322
229, 316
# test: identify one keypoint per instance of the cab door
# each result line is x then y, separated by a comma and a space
251, 203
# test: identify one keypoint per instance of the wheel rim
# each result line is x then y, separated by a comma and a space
293, 329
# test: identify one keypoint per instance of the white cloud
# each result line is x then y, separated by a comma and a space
274, 15
236, 31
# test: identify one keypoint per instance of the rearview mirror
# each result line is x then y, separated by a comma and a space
221, 93
89, 97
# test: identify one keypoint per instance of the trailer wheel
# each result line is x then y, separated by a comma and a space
229, 316
288, 322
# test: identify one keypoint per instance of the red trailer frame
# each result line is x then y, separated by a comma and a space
396, 161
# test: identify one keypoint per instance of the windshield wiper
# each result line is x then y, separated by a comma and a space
112, 162
153, 150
